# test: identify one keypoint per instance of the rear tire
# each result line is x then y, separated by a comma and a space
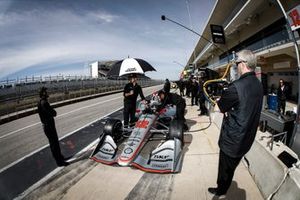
113, 127
176, 130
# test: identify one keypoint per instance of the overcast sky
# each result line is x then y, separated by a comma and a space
51, 37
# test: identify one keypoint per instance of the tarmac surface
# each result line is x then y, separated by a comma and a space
88, 180
25, 157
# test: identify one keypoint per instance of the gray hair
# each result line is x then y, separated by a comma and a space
248, 57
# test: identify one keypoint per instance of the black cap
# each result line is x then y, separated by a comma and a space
132, 76
42, 92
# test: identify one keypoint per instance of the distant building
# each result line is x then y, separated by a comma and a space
100, 69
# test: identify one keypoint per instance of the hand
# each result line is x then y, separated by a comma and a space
131, 92
144, 101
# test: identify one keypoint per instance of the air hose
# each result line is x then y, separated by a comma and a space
222, 79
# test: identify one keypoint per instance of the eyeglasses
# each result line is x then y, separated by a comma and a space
238, 62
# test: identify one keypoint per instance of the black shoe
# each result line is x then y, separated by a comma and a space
63, 164
185, 127
215, 191
67, 158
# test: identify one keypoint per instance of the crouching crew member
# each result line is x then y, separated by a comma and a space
131, 92
47, 114
178, 101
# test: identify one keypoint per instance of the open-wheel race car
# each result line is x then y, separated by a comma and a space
140, 145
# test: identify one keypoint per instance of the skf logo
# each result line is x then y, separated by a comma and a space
161, 157
107, 150
133, 69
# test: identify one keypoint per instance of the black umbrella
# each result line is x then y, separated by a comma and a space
130, 66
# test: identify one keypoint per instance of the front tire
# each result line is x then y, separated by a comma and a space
176, 130
113, 127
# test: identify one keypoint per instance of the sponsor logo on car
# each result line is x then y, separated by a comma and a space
161, 157
128, 150
160, 166
107, 150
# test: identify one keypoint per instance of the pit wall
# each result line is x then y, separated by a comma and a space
273, 178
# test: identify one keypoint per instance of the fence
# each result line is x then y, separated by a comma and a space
22, 96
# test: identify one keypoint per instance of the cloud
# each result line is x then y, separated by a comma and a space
42, 37
102, 17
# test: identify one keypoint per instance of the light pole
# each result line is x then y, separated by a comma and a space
178, 63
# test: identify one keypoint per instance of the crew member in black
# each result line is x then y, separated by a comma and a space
180, 85
174, 99
167, 86
47, 114
202, 108
194, 91
241, 104
282, 93
131, 92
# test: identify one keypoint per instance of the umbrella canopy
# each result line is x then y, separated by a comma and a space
130, 66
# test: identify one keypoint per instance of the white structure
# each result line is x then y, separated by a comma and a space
94, 69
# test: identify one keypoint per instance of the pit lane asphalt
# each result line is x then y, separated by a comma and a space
25, 136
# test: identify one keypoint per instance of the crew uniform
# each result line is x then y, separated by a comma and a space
130, 102
282, 94
167, 86
194, 91
203, 109
241, 103
47, 114
175, 99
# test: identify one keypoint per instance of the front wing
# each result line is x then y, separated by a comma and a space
166, 158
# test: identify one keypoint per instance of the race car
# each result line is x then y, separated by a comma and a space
131, 146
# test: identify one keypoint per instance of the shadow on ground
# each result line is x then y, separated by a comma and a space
234, 193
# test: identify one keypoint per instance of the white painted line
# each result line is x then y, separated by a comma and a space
51, 174
13, 132
43, 147
88, 106
10, 133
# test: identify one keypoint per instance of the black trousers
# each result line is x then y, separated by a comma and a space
227, 166
129, 113
181, 92
51, 134
202, 107
281, 106
180, 109
194, 99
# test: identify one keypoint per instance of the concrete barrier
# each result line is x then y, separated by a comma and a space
274, 179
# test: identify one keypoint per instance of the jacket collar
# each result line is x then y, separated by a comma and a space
247, 74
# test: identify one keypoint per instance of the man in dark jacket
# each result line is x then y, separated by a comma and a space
282, 93
241, 104
194, 91
178, 101
131, 92
202, 107
180, 85
167, 86
47, 114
